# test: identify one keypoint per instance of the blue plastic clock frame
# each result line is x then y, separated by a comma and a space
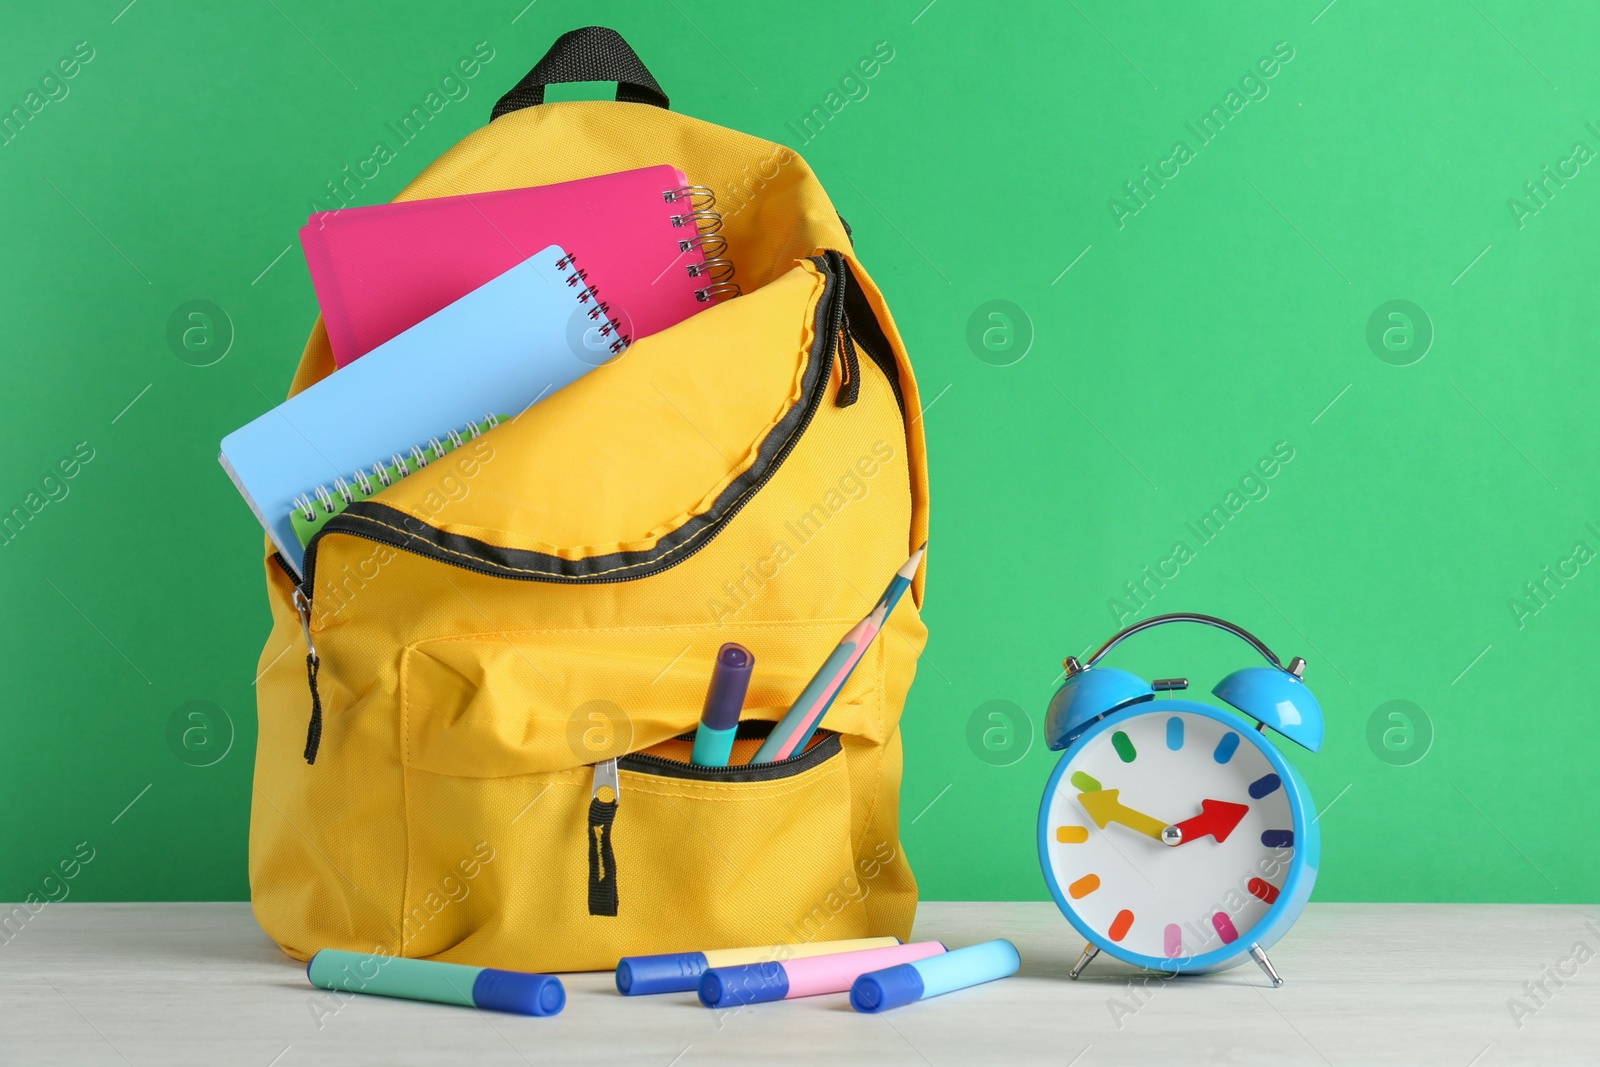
1303, 863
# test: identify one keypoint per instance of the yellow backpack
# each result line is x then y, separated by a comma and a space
490, 632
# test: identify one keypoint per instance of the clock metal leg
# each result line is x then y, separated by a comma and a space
1260, 956
1089, 953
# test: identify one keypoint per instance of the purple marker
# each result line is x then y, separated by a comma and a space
719, 721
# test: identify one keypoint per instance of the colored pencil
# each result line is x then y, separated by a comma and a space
789, 737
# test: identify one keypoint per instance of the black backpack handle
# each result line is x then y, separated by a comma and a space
590, 54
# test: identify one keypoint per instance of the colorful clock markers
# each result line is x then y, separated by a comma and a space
1124, 746
679, 972
1226, 747
518, 992
789, 737
1172, 941
756, 983
1083, 886
719, 721
1264, 786
934, 976
1263, 891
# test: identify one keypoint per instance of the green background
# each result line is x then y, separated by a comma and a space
1228, 314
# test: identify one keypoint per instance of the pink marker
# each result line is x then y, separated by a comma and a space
753, 983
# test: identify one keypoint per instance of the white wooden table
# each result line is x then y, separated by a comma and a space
172, 984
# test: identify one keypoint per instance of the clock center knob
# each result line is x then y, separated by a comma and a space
1171, 835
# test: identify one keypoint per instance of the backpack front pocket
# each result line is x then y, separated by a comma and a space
651, 854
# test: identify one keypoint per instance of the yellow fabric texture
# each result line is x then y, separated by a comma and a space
446, 815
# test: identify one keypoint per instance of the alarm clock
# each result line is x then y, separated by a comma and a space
1173, 834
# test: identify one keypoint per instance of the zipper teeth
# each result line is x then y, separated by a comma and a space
664, 763
835, 317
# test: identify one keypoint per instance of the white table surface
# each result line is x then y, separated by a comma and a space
172, 984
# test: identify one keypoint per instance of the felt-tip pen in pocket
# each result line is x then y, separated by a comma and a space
719, 722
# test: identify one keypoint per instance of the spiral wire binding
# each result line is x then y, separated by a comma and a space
714, 266
324, 496
601, 312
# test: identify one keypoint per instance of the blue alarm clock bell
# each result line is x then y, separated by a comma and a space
1172, 835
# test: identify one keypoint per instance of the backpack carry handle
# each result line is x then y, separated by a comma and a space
590, 54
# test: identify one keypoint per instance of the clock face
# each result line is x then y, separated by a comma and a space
1128, 791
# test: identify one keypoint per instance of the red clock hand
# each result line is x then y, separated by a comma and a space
1217, 819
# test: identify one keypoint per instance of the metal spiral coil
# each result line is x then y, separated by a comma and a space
713, 265
704, 221
698, 196
718, 269
601, 310
716, 292
368, 485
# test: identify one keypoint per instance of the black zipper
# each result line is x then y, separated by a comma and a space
384, 525
827, 745
864, 330
839, 329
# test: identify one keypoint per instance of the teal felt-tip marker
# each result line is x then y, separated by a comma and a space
719, 721
519, 992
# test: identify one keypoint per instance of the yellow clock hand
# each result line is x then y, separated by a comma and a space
1103, 807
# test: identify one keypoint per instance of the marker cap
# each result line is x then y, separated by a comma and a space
834, 973
673, 972
730, 680
888, 988
519, 992
751, 983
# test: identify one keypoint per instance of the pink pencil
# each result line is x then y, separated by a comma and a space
795, 728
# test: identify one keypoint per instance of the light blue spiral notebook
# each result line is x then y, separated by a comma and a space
500, 348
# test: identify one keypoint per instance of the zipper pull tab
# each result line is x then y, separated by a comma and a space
850, 388
844, 347
606, 788
604, 795
302, 607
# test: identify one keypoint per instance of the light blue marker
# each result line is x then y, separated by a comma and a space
519, 992
934, 976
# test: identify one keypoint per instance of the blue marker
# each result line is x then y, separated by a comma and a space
443, 983
679, 972
719, 722
936, 975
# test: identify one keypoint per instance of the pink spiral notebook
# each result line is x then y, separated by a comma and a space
646, 241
